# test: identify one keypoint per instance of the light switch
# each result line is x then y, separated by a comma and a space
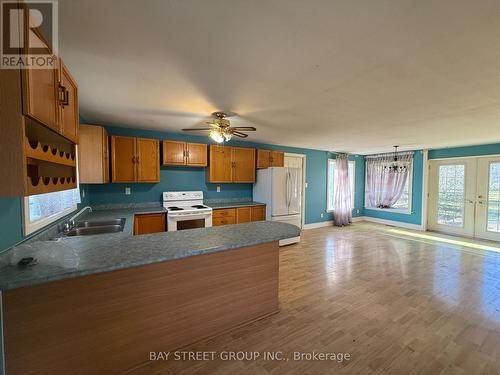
127, 191
218, 189
306, 185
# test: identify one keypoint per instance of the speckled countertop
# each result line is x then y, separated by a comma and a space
77, 256
233, 204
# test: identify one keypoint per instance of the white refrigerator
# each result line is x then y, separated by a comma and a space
280, 188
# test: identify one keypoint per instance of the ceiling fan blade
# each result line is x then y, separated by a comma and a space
239, 134
244, 128
195, 129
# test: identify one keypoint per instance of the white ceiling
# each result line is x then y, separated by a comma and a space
345, 75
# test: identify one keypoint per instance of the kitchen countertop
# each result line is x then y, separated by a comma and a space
84, 255
233, 204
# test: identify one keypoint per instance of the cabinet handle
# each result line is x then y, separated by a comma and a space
133, 159
64, 100
137, 159
187, 153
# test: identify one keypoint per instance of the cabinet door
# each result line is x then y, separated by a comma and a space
243, 215
220, 169
263, 159
258, 213
123, 165
196, 154
150, 223
243, 164
68, 105
277, 159
174, 153
148, 160
93, 159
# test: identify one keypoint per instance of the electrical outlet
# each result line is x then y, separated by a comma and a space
357, 211
83, 193
322, 214
306, 185
127, 191
218, 189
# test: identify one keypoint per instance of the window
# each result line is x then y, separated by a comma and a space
331, 182
378, 190
43, 209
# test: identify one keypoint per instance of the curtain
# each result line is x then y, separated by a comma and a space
383, 187
342, 203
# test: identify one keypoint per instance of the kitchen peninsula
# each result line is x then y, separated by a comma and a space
117, 297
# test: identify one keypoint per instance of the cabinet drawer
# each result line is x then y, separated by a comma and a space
225, 220
226, 212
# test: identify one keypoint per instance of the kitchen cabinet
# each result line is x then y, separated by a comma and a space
93, 155
39, 127
68, 108
231, 164
184, 154
268, 158
259, 213
245, 214
135, 159
149, 223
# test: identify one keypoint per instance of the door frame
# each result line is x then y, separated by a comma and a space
304, 162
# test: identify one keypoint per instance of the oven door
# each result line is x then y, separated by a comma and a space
177, 221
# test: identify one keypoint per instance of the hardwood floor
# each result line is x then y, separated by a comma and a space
398, 304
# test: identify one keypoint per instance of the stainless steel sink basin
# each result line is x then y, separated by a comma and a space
94, 230
90, 227
99, 223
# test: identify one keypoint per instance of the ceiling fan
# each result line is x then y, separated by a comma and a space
221, 129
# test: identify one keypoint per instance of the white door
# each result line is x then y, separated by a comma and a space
452, 192
294, 191
488, 199
279, 191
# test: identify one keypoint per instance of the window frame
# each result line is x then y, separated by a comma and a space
351, 162
405, 211
30, 227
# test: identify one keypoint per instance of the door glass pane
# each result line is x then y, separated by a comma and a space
494, 198
451, 195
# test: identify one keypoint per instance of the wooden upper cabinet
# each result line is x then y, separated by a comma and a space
196, 154
263, 159
135, 159
148, 160
268, 158
40, 91
184, 153
123, 166
277, 159
221, 164
93, 155
69, 118
243, 164
174, 153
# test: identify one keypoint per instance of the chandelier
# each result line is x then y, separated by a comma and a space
396, 166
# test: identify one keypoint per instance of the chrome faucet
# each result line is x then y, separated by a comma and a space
70, 224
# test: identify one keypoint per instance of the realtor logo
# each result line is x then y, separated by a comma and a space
29, 34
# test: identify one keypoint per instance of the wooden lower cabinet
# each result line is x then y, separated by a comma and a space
149, 223
259, 213
245, 214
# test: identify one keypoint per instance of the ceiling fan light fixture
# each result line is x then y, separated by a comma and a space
216, 135
227, 136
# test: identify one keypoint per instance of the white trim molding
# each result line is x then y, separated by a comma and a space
319, 224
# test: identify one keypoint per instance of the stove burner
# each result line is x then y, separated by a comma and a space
174, 208
198, 206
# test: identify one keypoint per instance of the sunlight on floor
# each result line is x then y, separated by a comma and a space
446, 240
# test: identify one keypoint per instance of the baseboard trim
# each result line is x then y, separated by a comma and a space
391, 223
320, 224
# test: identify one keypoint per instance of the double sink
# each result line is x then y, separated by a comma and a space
90, 227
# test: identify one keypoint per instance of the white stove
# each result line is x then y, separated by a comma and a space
185, 210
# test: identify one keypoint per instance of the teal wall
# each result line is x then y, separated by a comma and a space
415, 217
11, 223
457, 152
184, 178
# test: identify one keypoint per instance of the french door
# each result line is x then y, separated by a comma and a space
464, 197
